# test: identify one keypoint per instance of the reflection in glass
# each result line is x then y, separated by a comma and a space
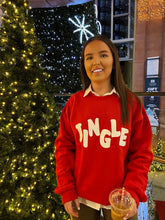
120, 6
122, 49
120, 27
104, 9
131, 49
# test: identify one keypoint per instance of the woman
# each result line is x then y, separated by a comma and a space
104, 138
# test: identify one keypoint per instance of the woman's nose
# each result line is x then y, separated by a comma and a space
96, 61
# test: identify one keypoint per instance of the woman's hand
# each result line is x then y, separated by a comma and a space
132, 211
72, 207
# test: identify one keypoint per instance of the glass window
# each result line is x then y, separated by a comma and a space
132, 19
104, 3
122, 49
131, 49
125, 50
101, 3
117, 19
120, 29
120, 6
104, 11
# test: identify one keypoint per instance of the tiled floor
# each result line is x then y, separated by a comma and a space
158, 184
158, 192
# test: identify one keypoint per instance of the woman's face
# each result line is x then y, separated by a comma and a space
98, 62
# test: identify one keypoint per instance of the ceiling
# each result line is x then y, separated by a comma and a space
53, 3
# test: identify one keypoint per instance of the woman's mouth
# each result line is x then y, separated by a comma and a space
97, 70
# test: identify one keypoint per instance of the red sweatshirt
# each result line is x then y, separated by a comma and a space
96, 153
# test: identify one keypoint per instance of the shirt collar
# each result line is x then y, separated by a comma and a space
89, 89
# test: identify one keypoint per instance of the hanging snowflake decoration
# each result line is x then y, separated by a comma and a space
82, 28
99, 27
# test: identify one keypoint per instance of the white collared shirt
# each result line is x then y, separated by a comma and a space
89, 89
93, 205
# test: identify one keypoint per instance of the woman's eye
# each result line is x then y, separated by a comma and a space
88, 58
104, 55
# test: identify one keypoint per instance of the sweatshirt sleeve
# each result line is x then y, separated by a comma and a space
64, 154
139, 155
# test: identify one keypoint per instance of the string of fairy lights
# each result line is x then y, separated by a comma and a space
63, 31
14, 22
150, 10
26, 113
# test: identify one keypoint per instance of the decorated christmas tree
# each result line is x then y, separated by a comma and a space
28, 122
159, 149
155, 166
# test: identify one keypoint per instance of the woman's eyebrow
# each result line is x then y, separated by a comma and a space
88, 54
102, 51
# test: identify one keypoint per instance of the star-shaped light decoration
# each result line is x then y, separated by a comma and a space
81, 27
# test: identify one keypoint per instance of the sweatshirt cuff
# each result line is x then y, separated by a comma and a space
69, 196
135, 197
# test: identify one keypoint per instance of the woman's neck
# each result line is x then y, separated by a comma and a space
101, 89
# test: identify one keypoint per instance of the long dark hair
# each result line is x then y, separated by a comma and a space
116, 76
